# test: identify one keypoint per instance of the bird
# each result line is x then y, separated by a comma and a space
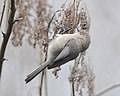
63, 49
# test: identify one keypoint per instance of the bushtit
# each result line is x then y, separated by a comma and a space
63, 49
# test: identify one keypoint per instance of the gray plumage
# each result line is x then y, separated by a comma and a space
63, 49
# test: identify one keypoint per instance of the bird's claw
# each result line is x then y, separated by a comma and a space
55, 72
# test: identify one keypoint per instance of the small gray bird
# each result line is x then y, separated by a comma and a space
63, 49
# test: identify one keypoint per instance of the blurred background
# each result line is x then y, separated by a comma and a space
104, 53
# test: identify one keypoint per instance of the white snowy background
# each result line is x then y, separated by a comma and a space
104, 52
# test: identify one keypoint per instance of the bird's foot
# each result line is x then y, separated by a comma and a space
55, 71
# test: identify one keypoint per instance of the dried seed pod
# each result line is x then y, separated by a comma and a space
84, 19
33, 25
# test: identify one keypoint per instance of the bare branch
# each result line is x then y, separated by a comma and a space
41, 83
51, 21
73, 89
19, 19
4, 59
2, 13
8, 33
46, 88
3, 34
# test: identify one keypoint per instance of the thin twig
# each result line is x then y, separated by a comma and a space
103, 91
51, 21
46, 88
3, 34
19, 19
2, 13
46, 48
43, 73
41, 83
7, 35
73, 89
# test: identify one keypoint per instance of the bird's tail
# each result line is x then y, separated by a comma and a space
37, 71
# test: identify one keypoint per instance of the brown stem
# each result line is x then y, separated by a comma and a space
2, 13
51, 21
73, 89
46, 88
46, 48
7, 35
41, 83
43, 74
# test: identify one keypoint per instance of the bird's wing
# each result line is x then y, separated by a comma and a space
68, 53
65, 51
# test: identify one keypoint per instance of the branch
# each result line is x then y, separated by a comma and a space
17, 20
43, 74
73, 89
51, 21
41, 83
45, 50
2, 13
3, 34
46, 88
103, 91
8, 33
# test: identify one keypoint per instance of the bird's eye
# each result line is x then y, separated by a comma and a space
78, 30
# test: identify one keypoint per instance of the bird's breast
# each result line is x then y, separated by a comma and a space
84, 43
